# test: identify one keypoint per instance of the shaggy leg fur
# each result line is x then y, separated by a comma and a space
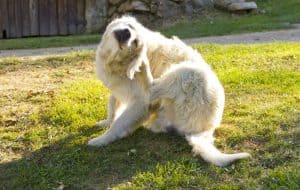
160, 123
128, 121
111, 109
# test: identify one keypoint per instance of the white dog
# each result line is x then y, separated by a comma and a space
122, 53
190, 96
193, 102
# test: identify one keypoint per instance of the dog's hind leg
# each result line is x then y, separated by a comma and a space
133, 116
159, 89
159, 124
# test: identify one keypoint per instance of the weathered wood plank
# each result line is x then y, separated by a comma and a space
41, 17
4, 26
72, 9
44, 17
1, 18
11, 19
26, 18
34, 17
62, 17
53, 17
80, 16
1, 23
19, 19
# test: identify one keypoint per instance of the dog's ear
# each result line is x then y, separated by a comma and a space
137, 62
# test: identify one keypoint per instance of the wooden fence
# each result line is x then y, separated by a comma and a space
23, 18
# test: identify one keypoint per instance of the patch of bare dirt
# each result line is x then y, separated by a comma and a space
23, 89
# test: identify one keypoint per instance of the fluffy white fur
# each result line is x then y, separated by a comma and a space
124, 69
192, 99
188, 94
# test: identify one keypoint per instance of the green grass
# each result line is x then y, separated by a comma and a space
46, 42
262, 85
278, 14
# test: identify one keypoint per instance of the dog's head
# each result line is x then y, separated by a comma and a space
124, 39
123, 34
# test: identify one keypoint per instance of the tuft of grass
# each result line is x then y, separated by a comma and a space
283, 178
77, 105
261, 116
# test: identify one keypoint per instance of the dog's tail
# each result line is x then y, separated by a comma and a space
204, 147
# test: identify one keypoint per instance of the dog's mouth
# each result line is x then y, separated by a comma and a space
129, 45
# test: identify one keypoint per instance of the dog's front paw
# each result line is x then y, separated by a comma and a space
98, 141
130, 73
132, 70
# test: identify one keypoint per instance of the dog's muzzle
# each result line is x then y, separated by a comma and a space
122, 35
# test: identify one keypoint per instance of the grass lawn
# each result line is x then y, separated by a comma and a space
49, 107
46, 42
277, 15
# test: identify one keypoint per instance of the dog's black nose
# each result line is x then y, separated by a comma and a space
122, 35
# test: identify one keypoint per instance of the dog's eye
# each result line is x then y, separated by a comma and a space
130, 26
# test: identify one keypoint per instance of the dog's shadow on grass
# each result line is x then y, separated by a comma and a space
75, 165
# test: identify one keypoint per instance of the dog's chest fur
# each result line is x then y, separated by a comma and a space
113, 75
117, 64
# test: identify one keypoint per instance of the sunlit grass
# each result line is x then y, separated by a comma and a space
262, 85
77, 105
278, 15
